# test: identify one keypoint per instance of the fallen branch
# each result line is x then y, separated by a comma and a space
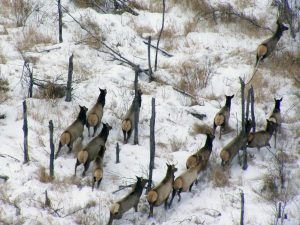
2, 116
199, 115
5, 155
159, 49
122, 187
5, 178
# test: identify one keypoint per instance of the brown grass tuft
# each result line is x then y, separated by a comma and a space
32, 37
220, 177
270, 187
88, 3
51, 91
176, 144
44, 177
2, 57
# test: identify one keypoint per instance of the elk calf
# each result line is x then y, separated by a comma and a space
233, 147
130, 200
98, 167
129, 119
95, 114
185, 182
202, 155
268, 46
261, 138
222, 117
73, 131
160, 194
90, 151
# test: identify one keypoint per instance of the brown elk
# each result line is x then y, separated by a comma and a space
276, 116
98, 167
261, 138
237, 143
130, 200
222, 117
73, 131
268, 46
129, 119
160, 194
95, 115
90, 151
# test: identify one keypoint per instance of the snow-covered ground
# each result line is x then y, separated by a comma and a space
227, 50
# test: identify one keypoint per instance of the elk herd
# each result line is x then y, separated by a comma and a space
95, 149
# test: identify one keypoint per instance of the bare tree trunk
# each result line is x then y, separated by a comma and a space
118, 153
25, 130
59, 21
152, 145
161, 30
244, 164
136, 109
52, 149
149, 59
242, 208
69, 82
248, 103
252, 109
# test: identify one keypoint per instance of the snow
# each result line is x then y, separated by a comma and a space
175, 140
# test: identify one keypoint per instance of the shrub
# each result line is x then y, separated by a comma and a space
220, 177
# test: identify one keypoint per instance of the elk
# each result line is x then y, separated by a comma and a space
160, 194
90, 151
130, 200
98, 167
129, 119
276, 116
261, 138
222, 117
95, 115
233, 147
73, 131
268, 46
185, 182
202, 155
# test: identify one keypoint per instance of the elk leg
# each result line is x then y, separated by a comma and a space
86, 166
77, 164
99, 181
129, 134
95, 129
151, 211
190, 189
59, 147
70, 145
136, 207
173, 195
88, 127
166, 203
178, 193
124, 134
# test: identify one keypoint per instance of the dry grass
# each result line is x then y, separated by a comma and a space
2, 57
176, 144
270, 187
32, 37
89, 3
143, 30
50, 91
44, 177
4, 88
190, 26
94, 38
220, 177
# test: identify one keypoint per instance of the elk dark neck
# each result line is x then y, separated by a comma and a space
277, 107
82, 117
208, 142
228, 103
278, 33
139, 100
101, 99
104, 133
101, 152
138, 187
270, 129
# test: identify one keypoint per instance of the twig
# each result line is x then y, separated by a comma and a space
184, 93
122, 187
5, 155
255, 70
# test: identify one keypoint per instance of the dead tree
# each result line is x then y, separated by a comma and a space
149, 59
69, 82
159, 36
244, 156
152, 145
51, 149
242, 208
117, 153
136, 109
25, 130
27, 72
59, 21
252, 109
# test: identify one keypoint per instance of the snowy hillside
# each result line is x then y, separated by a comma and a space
211, 48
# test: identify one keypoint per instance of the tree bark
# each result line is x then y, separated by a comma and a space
59, 21
242, 208
25, 130
152, 145
69, 82
149, 59
136, 109
252, 109
244, 164
118, 153
159, 36
52, 149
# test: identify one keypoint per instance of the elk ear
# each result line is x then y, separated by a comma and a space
231, 96
280, 99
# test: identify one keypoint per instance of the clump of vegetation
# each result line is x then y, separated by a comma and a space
32, 37
220, 177
44, 177
89, 3
52, 91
